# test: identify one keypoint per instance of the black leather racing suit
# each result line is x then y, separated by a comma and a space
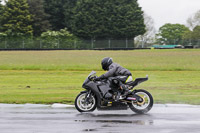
118, 73
116, 70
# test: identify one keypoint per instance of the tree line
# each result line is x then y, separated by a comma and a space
73, 20
172, 34
85, 19
178, 34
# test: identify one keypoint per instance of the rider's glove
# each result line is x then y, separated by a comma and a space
99, 78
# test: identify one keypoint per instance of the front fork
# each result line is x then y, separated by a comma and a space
88, 97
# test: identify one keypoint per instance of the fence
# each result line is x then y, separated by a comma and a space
184, 42
64, 44
79, 44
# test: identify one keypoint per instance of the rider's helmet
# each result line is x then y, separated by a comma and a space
106, 62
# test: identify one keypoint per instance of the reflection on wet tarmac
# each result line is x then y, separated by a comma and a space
103, 115
134, 119
161, 119
134, 122
89, 130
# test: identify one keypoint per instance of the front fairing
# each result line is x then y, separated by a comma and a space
87, 80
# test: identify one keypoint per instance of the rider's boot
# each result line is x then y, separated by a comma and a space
118, 96
126, 90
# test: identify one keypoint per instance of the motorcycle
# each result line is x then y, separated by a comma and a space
103, 96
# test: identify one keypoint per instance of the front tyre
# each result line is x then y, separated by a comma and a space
143, 106
84, 104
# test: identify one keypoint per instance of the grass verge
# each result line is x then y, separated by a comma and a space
135, 60
63, 86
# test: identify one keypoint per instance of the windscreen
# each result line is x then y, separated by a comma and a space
93, 73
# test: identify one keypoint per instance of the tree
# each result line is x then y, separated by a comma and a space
113, 19
196, 33
1, 6
68, 7
60, 13
62, 34
196, 36
171, 33
149, 36
192, 37
58, 39
1, 10
187, 35
40, 21
194, 20
16, 19
55, 9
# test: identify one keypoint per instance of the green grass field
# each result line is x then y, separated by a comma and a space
138, 60
57, 76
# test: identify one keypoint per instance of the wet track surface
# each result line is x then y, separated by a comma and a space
57, 119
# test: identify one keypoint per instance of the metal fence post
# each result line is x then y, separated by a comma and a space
199, 42
92, 44
142, 42
58, 44
40, 44
75, 44
126, 43
5, 44
109, 43
23, 44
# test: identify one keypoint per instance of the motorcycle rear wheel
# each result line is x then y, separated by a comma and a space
144, 106
82, 106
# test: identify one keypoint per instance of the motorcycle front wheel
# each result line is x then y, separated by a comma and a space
84, 104
143, 106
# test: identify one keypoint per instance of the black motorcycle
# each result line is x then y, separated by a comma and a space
102, 95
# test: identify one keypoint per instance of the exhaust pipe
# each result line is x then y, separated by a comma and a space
131, 98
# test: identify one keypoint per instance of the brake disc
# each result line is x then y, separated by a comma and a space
141, 103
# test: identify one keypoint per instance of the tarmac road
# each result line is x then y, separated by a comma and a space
30, 118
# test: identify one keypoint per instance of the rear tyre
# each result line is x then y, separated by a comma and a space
83, 105
143, 106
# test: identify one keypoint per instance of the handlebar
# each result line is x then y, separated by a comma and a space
92, 78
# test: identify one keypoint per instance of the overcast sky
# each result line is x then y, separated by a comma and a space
169, 11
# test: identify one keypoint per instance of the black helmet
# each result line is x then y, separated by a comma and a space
106, 62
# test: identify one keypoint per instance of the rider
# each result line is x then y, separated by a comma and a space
115, 70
